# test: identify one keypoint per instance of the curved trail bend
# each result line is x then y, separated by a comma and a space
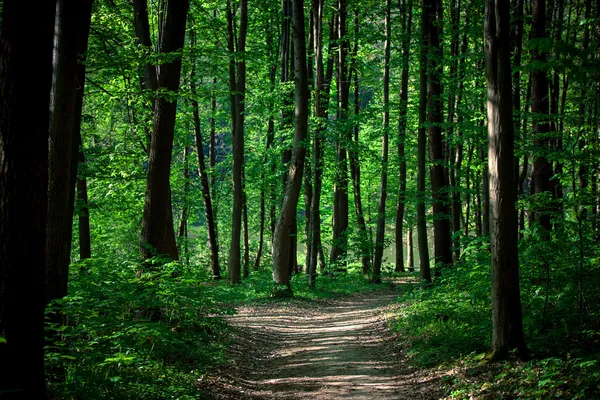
338, 349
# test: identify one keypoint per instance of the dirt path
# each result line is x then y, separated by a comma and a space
326, 350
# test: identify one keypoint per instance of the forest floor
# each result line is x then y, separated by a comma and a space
319, 349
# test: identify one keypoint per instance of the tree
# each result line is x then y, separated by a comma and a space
237, 87
281, 237
211, 222
406, 11
71, 31
364, 237
379, 238
438, 172
424, 268
340, 202
506, 304
25, 41
542, 168
158, 234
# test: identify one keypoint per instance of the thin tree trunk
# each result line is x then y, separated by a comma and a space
438, 173
424, 267
183, 221
321, 100
410, 258
400, 207
281, 239
542, 168
379, 237
339, 246
364, 238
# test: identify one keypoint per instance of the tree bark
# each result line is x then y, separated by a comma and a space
339, 246
542, 168
158, 234
237, 82
25, 42
281, 239
211, 223
380, 232
438, 173
321, 100
506, 304
400, 208
364, 238
424, 267
70, 25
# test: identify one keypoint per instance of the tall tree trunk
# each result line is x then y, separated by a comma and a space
281, 239
158, 235
211, 218
364, 238
542, 168
379, 238
83, 28
237, 82
400, 207
438, 173
321, 100
507, 318
269, 143
424, 267
455, 102
339, 246
71, 25
25, 43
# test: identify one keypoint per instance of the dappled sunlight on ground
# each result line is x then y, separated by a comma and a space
336, 350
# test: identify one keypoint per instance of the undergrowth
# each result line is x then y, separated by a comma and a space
127, 334
447, 324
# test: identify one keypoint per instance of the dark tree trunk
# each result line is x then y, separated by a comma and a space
339, 246
237, 82
438, 173
321, 100
158, 234
506, 304
364, 238
379, 237
25, 43
424, 267
150, 79
269, 143
400, 207
456, 154
71, 17
78, 179
542, 168
281, 239
211, 223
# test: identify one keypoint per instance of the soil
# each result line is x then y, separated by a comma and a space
333, 349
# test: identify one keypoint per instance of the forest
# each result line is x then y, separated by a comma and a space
233, 199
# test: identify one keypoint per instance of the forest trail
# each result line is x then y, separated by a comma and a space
334, 349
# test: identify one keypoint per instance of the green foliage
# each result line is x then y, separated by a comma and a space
124, 336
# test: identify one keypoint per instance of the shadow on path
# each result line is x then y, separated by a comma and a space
331, 350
